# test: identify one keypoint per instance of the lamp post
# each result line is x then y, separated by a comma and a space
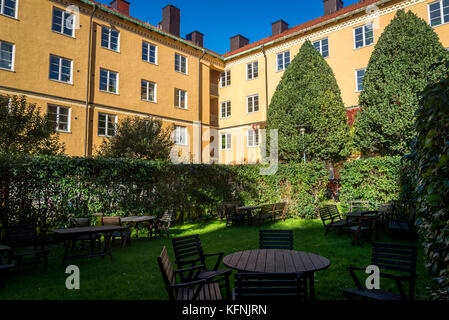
303, 131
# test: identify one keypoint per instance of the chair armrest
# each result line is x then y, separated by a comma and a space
188, 284
181, 263
219, 258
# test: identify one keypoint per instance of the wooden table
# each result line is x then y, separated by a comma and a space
278, 261
248, 211
68, 236
354, 218
135, 220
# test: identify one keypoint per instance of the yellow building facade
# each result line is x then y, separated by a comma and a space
109, 66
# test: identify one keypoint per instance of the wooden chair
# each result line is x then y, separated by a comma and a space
4, 269
25, 243
402, 222
189, 251
265, 213
276, 239
396, 262
163, 224
197, 289
385, 211
359, 206
362, 227
124, 235
331, 218
221, 208
272, 286
231, 214
91, 238
280, 210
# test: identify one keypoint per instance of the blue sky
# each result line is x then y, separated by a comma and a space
220, 20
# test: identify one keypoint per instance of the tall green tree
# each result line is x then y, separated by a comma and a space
25, 130
398, 70
308, 96
139, 138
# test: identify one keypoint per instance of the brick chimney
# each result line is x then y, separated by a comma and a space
279, 27
238, 41
121, 6
171, 20
196, 37
331, 6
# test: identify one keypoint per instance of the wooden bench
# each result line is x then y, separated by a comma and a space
280, 210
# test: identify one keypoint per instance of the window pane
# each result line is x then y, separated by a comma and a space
144, 51
68, 24
6, 54
9, 8
103, 80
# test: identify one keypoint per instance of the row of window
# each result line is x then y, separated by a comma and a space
252, 139
110, 39
252, 105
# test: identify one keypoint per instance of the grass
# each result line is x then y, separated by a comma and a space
135, 275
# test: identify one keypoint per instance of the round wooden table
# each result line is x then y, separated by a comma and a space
278, 261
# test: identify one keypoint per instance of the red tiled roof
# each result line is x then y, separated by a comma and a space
344, 10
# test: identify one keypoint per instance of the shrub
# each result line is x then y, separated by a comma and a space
430, 172
375, 179
398, 70
49, 190
308, 95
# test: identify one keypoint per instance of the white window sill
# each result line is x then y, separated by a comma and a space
109, 92
185, 109
144, 100
9, 70
369, 45
5, 15
152, 63
116, 51
184, 73
63, 82
63, 34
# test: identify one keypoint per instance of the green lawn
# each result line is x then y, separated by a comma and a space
134, 273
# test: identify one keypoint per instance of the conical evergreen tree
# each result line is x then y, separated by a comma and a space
308, 96
398, 70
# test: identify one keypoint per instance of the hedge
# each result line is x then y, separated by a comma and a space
49, 190
376, 179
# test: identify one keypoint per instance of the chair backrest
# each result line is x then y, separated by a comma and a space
188, 248
167, 271
396, 258
166, 219
280, 208
21, 235
267, 209
359, 206
79, 222
230, 210
111, 221
270, 286
328, 213
276, 239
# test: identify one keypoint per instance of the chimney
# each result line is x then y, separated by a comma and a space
196, 37
171, 20
238, 41
331, 6
279, 27
121, 6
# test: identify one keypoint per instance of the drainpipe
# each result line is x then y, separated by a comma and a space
88, 77
200, 107
266, 80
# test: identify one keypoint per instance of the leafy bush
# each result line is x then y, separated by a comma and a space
372, 179
398, 70
430, 172
308, 96
49, 190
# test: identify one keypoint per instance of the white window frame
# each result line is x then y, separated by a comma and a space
283, 67
228, 141
69, 117
357, 80
227, 105
60, 70
109, 39
180, 63
252, 70
177, 133
227, 78
108, 81
148, 90
363, 36
2, 6
106, 123
320, 50
13, 57
252, 98
441, 14
254, 142
148, 44
178, 102
64, 13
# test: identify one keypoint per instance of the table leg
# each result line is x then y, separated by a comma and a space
66, 259
107, 244
311, 278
